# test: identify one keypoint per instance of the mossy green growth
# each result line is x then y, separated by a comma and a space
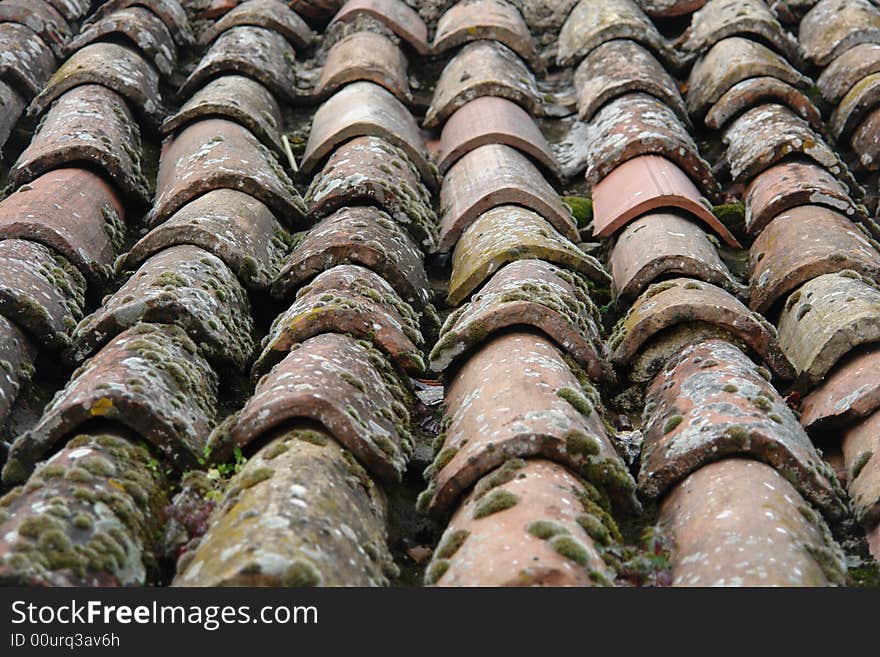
546, 529
451, 543
507, 472
435, 571
577, 400
302, 573
732, 215
581, 209
571, 548
494, 502
672, 423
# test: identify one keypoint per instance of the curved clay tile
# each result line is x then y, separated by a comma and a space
669, 8
39, 16
855, 106
364, 108
619, 67
492, 120
270, 14
72, 9
396, 15
646, 183
802, 243
789, 184
40, 292
91, 124
364, 236
41, 212
850, 392
365, 56
353, 300
169, 11
639, 124
528, 293
19, 353
182, 285
845, 71
712, 402
483, 68
721, 19
861, 448
370, 171
116, 67
590, 24
141, 28
662, 244
236, 98
683, 300
28, 62
760, 90
98, 499
825, 319
508, 233
345, 385
865, 142
535, 526
494, 175
495, 413
833, 26
733, 60
256, 52
766, 134
13, 105
235, 227
484, 19
150, 379
218, 154
287, 505
721, 539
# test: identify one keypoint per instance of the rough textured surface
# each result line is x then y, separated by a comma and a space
712, 402
302, 512
660, 244
365, 56
363, 236
236, 98
639, 124
235, 227
492, 120
371, 171
754, 91
218, 154
722, 541
542, 537
90, 124
826, 318
788, 185
529, 293
802, 243
850, 391
40, 291
87, 517
39, 16
845, 71
345, 385
855, 106
27, 62
484, 68
138, 25
271, 14
182, 285
866, 142
17, 355
364, 108
72, 211
833, 26
13, 106
683, 301
862, 452
149, 378
508, 233
490, 176
484, 19
493, 414
646, 183
255, 52
397, 16
169, 11
619, 67
353, 300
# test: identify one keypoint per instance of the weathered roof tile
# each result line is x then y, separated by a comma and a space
754, 91
17, 356
270, 14
28, 62
169, 11
39, 16
399, 17
833, 26
850, 392
365, 56
484, 19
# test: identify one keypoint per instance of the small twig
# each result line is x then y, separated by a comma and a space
289, 152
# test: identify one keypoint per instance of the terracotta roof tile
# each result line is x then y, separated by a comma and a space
483, 68
13, 105
235, 227
278, 521
484, 19
495, 413
537, 518
171, 405
754, 91
861, 449
491, 176
363, 236
855, 106
850, 392
71, 9
369, 57
141, 28
683, 300
866, 142
190, 167
169, 11
39, 16
30, 61
402, 20
833, 26
802, 243
669, 8
353, 300
17, 356
660, 244
271, 14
